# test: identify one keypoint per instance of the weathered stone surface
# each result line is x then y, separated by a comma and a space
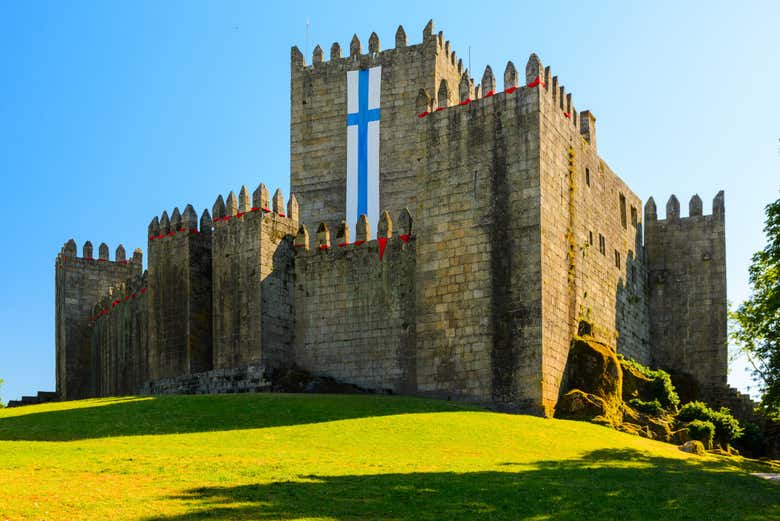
594, 369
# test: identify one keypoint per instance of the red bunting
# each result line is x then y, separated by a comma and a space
152, 237
195, 231
382, 245
127, 298
114, 304
160, 236
240, 214
404, 237
266, 210
440, 109
537, 81
143, 290
566, 114
490, 93
465, 101
358, 243
281, 214
254, 209
423, 114
171, 234
324, 247
123, 262
510, 90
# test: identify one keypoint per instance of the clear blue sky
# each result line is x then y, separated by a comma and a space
111, 112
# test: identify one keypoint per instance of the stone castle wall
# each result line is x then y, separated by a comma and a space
592, 255
479, 290
80, 282
355, 311
252, 275
179, 287
687, 289
120, 340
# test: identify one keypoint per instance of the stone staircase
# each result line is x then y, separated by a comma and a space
740, 404
41, 397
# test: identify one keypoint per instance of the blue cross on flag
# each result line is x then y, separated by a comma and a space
363, 94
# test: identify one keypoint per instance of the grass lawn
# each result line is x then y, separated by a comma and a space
264, 456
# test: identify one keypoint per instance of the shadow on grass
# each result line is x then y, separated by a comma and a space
185, 414
604, 484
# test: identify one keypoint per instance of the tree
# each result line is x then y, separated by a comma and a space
757, 320
1, 401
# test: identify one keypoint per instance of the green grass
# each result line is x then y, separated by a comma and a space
349, 457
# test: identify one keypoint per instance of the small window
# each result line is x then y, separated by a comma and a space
587, 176
617, 259
634, 217
602, 245
623, 211
590, 238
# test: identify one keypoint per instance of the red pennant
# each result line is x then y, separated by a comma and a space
254, 209
465, 101
240, 214
281, 214
440, 109
152, 237
171, 234
143, 290
490, 93
324, 247
404, 237
567, 115
382, 245
266, 210
115, 303
423, 114
160, 236
358, 243
537, 81
510, 90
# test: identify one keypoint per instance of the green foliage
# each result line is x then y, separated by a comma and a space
726, 426
756, 323
753, 440
1, 401
663, 388
653, 408
702, 431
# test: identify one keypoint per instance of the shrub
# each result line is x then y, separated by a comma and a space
653, 408
726, 426
702, 431
662, 386
753, 440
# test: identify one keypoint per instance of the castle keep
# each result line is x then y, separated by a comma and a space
490, 231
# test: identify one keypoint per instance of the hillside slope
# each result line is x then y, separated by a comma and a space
349, 457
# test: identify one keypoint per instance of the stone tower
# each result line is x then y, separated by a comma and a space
79, 283
318, 116
686, 261
179, 293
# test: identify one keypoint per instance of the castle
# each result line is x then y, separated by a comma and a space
444, 238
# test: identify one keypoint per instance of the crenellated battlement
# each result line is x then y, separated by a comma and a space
185, 223
69, 256
695, 210
323, 244
356, 57
259, 206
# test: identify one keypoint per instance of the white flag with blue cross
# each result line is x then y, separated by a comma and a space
363, 95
